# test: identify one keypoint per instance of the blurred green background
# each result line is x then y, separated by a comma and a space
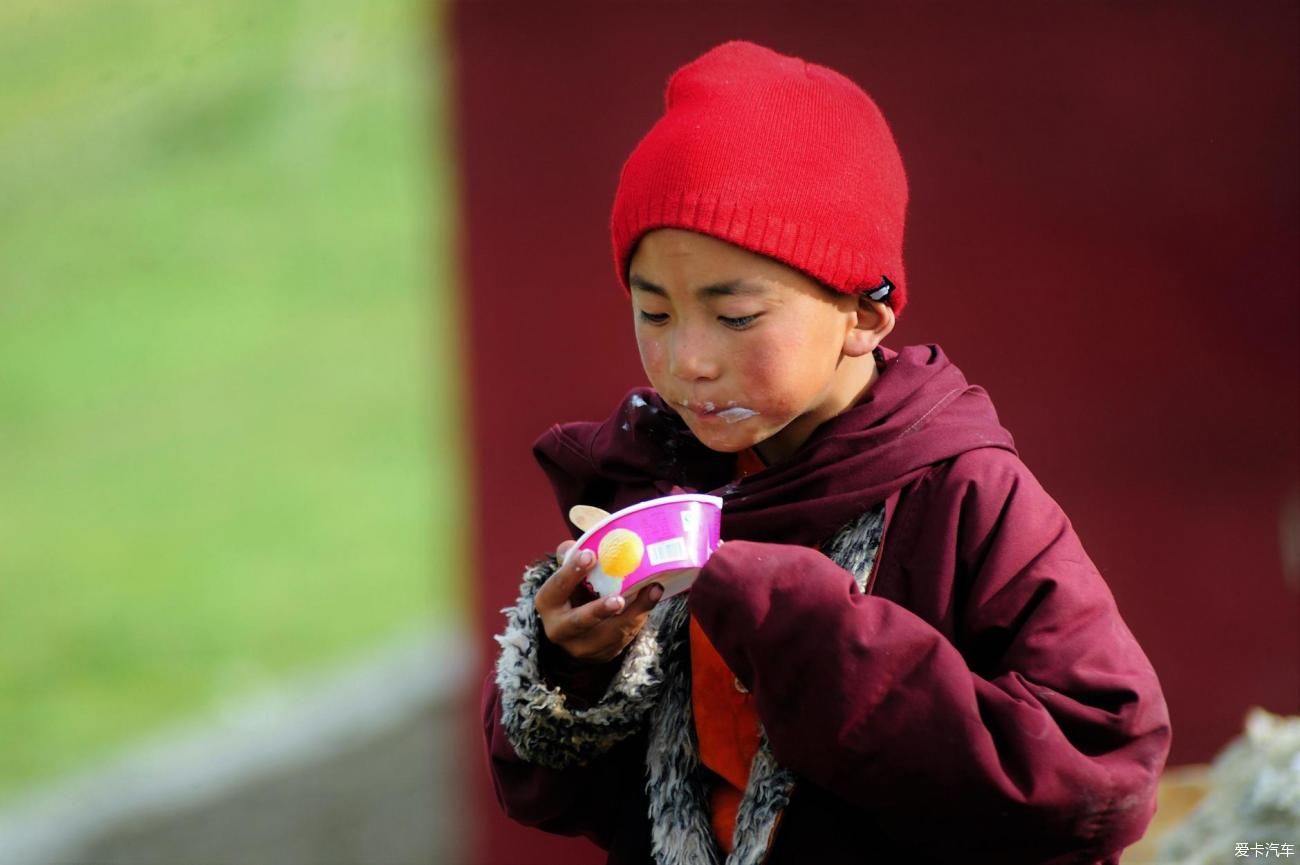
229, 420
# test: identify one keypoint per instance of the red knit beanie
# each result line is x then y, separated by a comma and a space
779, 156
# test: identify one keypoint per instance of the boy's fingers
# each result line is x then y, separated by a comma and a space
559, 586
584, 618
589, 616
645, 600
563, 549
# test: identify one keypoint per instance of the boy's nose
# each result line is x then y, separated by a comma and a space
689, 359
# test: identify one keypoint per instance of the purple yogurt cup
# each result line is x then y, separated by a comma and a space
660, 541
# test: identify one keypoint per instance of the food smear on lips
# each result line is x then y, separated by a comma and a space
620, 553
731, 414
736, 413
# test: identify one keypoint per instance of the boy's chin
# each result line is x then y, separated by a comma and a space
727, 448
727, 441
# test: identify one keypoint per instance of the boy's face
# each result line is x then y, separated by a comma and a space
749, 351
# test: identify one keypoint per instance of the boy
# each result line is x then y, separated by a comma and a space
901, 652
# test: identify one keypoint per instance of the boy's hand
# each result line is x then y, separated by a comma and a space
594, 631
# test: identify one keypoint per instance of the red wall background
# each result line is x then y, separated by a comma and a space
1102, 231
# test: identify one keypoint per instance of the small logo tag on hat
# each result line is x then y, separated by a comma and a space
885, 290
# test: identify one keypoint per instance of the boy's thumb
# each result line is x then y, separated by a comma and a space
647, 598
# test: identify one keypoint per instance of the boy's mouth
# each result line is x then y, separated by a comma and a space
731, 413
736, 413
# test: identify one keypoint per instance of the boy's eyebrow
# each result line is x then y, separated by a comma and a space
717, 289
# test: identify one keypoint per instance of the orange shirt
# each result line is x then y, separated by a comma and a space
726, 724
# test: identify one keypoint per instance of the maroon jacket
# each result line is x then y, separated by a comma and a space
982, 702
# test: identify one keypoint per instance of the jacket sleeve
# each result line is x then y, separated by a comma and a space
1013, 715
578, 800
560, 742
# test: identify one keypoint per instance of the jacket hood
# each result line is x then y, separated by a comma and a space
921, 411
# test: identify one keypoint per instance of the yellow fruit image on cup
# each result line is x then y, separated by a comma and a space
620, 552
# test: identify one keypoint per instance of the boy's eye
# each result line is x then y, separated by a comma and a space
738, 322
654, 317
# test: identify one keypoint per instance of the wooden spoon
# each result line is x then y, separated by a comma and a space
586, 517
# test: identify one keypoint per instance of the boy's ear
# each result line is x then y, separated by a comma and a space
875, 320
